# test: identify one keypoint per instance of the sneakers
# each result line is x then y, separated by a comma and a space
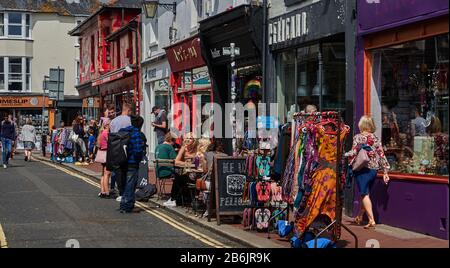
119, 199
5, 166
170, 203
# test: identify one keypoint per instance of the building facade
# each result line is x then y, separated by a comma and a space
109, 42
33, 39
166, 80
402, 80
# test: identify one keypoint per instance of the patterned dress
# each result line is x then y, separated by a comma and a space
320, 194
378, 160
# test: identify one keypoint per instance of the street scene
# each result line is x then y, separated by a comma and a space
231, 124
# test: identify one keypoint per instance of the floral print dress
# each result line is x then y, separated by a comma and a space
378, 160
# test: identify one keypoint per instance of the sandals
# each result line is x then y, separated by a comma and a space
357, 221
370, 226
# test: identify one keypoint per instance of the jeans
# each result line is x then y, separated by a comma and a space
112, 186
7, 148
128, 198
121, 178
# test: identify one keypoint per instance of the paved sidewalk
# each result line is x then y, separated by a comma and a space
384, 236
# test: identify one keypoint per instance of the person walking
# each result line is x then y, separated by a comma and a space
28, 138
8, 136
136, 151
122, 121
365, 177
160, 124
80, 145
101, 158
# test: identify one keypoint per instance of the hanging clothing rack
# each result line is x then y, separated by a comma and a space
338, 219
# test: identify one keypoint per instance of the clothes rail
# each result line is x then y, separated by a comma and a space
338, 219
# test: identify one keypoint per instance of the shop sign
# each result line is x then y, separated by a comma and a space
313, 22
18, 102
186, 55
288, 28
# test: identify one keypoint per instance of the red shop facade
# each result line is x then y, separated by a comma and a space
190, 83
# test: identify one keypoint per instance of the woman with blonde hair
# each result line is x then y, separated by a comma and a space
365, 177
187, 154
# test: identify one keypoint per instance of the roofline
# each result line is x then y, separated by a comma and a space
100, 10
43, 12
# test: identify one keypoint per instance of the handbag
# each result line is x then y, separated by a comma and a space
73, 137
361, 161
101, 157
200, 184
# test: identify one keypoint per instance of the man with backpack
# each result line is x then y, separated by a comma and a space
136, 151
115, 153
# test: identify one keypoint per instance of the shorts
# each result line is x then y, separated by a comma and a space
29, 145
365, 179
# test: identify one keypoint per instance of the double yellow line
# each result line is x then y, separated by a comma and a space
161, 216
3, 243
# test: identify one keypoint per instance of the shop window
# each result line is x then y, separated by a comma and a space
298, 79
410, 104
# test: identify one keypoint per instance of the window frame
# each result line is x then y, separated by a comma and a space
25, 25
25, 74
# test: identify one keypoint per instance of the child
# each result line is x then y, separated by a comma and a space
92, 143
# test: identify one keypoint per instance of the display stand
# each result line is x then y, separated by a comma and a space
338, 220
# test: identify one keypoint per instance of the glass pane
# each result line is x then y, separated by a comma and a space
15, 86
28, 82
286, 94
411, 80
308, 90
28, 68
27, 31
2, 81
2, 64
334, 76
15, 18
17, 77
15, 30
28, 19
2, 30
15, 65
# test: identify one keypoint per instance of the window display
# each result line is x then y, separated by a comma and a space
36, 117
411, 80
298, 79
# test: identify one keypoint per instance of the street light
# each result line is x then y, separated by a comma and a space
151, 6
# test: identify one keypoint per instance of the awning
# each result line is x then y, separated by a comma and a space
114, 75
241, 25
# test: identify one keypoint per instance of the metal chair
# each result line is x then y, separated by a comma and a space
161, 183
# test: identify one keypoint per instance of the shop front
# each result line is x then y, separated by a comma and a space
91, 107
241, 26
308, 47
35, 107
402, 81
191, 84
156, 92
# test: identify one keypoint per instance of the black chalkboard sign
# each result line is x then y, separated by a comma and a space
229, 182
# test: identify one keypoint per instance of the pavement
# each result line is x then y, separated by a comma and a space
384, 236
49, 207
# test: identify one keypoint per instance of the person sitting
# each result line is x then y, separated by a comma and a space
187, 153
165, 151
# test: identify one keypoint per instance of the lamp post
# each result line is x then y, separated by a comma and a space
151, 7
233, 51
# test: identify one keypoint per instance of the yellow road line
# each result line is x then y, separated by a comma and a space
3, 243
199, 236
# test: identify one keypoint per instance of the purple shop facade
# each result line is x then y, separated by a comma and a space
414, 203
